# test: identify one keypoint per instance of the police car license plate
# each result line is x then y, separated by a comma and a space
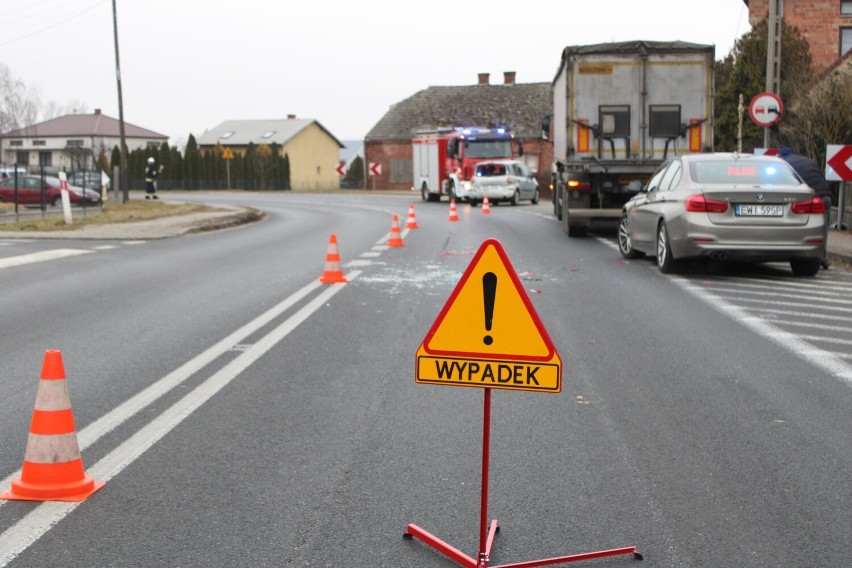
744, 210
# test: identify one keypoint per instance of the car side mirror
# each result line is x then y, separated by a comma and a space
635, 186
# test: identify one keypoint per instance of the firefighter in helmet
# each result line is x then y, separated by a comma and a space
151, 179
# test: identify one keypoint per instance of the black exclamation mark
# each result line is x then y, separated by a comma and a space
489, 291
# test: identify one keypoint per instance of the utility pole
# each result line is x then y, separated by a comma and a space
125, 189
773, 55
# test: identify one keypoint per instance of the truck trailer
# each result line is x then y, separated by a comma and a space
619, 110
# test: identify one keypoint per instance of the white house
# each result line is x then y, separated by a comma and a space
71, 142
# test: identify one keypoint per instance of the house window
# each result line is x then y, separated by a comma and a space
226, 135
845, 40
23, 158
532, 162
16, 143
45, 158
401, 171
74, 143
152, 144
846, 8
268, 134
39, 142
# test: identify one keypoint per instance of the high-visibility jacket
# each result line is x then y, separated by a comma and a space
150, 173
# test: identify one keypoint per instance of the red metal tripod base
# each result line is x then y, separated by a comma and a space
464, 560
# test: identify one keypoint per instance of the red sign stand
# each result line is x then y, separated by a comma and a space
487, 531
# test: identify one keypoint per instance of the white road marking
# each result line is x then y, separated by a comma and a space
40, 257
28, 530
20, 536
793, 343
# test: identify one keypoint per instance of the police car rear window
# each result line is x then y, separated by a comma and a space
752, 172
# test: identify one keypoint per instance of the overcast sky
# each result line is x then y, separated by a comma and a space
187, 65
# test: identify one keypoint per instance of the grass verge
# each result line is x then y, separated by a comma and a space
113, 212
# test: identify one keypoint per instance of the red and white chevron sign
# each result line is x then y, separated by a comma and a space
838, 162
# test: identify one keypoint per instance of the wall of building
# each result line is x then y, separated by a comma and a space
314, 156
58, 147
819, 21
395, 159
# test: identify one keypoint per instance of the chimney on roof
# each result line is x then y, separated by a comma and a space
97, 111
508, 77
483, 78
290, 116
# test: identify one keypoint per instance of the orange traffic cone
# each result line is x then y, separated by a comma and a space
332, 274
395, 239
411, 222
53, 468
486, 207
454, 215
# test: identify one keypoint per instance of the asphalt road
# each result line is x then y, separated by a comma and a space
243, 415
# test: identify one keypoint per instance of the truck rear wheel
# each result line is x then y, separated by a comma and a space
557, 204
424, 192
573, 229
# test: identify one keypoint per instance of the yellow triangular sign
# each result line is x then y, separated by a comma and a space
488, 334
227, 154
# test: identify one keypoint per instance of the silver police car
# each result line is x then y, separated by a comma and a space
725, 206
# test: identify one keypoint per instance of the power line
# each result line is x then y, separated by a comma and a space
47, 26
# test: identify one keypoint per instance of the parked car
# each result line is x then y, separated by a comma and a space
30, 190
727, 207
10, 172
87, 179
502, 180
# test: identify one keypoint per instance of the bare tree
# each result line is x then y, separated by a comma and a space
19, 104
820, 116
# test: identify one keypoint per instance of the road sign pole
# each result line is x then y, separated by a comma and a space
487, 531
486, 537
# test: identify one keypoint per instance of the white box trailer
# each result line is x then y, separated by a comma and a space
619, 110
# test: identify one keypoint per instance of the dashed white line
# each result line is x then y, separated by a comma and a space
41, 256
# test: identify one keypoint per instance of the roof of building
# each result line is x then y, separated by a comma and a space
258, 131
97, 124
518, 106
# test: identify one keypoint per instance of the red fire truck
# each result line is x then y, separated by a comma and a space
444, 160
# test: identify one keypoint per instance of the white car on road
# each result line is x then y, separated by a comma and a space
503, 180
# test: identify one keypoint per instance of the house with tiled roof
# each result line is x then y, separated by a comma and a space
518, 106
72, 142
313, 151
825, 24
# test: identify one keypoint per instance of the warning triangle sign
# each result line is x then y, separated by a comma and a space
489, 319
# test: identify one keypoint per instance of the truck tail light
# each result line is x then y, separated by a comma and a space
700, 204
579, 185
812, 206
